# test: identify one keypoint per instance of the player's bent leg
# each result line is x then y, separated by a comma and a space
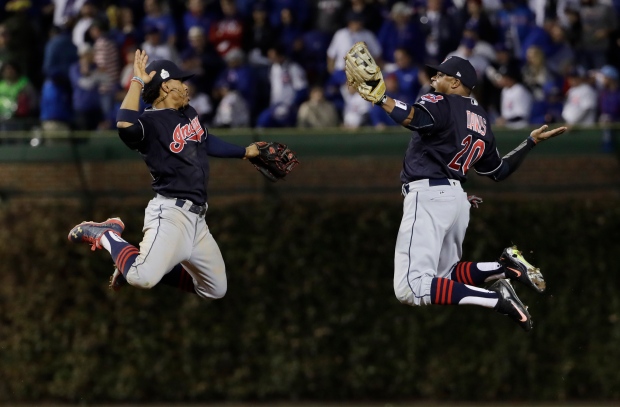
167, 241
206, 265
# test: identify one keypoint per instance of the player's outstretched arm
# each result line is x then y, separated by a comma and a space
132, 99
541, 133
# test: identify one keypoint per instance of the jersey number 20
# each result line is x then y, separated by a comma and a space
473, 151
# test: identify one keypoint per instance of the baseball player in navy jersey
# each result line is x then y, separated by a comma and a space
177, 248
451, 136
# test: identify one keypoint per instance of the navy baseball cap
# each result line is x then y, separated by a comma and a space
166, 70
459, 68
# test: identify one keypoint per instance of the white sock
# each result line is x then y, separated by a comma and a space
105, 243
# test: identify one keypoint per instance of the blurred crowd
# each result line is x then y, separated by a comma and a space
66, 64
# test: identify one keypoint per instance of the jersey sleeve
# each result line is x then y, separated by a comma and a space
437, 107
134, 136
490, 161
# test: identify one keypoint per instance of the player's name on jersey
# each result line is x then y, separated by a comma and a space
476, 123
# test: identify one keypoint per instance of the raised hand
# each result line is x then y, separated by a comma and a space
139, 66
542, 134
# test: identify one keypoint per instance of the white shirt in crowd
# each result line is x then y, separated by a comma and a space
356, 109
344, 39
516, 102
286, 79
232, 111
580, 106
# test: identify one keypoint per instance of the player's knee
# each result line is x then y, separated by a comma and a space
404, 296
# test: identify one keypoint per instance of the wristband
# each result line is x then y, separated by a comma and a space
136, 79
127, 115
400, 112
533, 140
382, 100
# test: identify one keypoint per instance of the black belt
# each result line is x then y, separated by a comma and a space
199, 210
431, 183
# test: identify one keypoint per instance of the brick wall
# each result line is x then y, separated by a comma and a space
365, 177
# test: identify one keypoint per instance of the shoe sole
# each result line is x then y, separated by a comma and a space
517, 303
117, 221
534, 277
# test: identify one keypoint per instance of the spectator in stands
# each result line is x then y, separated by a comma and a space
233, 110
289, 87
317, 112
200, 101
200, 58
59, 53
370, 13
581, 99
158, 15
400, 31
516, 100
238, 76
515, 21
157, 49
18, 98
108, 63
24, 40
356, 111
88, 12
123, 29
441, 29
258, 35
562, 55
598, 21
55, 106
572, 25
550, 109
407, 75
196, 16
65, 11
299, 10
289, 34
609, 102
344, 39
127, 70
328, 15
474, 14
227, 32
312, 55
537, 77
479, 53
85, 81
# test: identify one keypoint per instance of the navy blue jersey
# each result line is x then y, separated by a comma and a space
175, 147
459, 138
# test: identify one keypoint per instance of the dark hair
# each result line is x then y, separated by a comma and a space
150, 93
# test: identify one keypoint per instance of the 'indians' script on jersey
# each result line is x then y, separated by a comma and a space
188, 132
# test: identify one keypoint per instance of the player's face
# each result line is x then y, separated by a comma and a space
178, 93
442, 83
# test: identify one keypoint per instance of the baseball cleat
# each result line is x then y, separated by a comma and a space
509, 304
117, 280
91, 232
518, 269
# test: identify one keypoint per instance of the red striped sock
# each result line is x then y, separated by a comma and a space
467, 272
449, 292
123, 253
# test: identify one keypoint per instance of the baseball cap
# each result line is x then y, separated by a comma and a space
166, 70
459, 68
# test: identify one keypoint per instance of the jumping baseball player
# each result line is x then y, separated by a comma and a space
177, 248
451, 135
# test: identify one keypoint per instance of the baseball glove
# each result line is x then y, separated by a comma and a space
274, 160
363, 73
